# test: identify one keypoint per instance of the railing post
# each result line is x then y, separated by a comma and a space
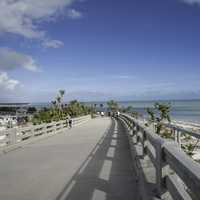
179, 137
138, 129
32, 131
144, 139
12, 136
174, 132
45, 128
159, 168
133, 128
162, 168
55, 127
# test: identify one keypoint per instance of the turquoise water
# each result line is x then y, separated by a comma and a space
183, 110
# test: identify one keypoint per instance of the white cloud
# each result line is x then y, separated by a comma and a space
52, 44
74, 14
122, 77
7, 83
22, 17
192, 1
10, 59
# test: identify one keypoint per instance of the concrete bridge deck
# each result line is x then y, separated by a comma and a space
88, 162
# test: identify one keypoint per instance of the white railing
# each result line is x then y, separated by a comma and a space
178, 132
16, 135
173, 174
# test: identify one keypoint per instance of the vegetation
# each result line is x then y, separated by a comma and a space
158, 115
190, 147
113, 105
75, 109
127, 109
130, 110
59, 110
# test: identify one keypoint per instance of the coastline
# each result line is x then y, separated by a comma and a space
187, 125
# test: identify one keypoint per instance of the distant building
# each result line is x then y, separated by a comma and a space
12, 114
21, 112
14, 104
13, 108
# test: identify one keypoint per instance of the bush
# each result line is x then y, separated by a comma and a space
73, 109
158, 115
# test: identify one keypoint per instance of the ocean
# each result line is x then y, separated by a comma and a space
181, 110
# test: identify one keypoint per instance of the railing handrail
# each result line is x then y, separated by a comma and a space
16, 135
167, 153
180, 129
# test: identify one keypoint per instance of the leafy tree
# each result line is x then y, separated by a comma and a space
59, 111
61, 92
190, 147
158, 115
112, 105
129, 108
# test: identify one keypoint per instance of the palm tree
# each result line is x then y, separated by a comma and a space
58, 100
62, 93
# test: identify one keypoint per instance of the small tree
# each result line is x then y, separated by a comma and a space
158, 116
62, 93
113, 105
129, 109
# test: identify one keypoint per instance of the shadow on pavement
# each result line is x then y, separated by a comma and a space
107, 173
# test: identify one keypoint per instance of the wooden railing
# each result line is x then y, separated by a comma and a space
13, 136
174, 176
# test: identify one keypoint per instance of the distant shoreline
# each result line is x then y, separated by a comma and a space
185, 110
97, 101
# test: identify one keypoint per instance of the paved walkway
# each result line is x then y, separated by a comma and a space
89, 162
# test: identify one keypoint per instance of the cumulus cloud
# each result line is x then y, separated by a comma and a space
10, 59
74, 14
7, 83
22, 17
52, 44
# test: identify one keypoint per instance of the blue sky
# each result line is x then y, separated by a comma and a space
99, 49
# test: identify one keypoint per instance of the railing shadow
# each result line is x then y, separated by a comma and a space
107, 173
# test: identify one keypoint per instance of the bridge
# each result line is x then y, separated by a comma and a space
98, 159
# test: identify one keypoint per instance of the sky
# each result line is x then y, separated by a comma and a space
99, 49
